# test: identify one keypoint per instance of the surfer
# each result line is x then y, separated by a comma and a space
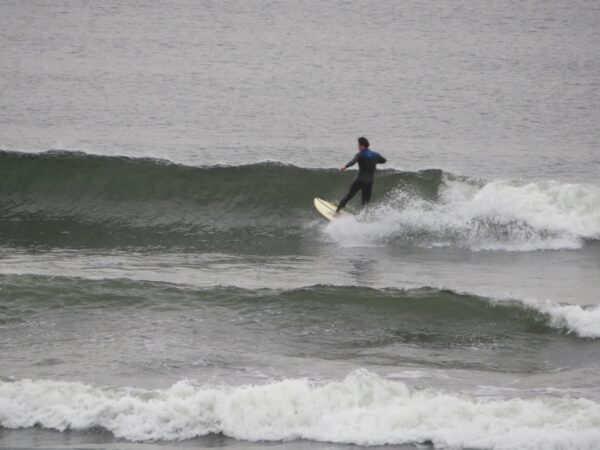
367, 162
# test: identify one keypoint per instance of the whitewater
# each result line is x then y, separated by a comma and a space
362, 409
497, 215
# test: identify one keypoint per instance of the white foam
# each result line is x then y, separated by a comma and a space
501, 215
362, 409
584, 322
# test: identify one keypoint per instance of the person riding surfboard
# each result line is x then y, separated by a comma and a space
367, 161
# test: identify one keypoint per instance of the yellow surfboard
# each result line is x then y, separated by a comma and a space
327, 209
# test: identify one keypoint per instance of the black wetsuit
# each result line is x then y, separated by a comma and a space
367, 163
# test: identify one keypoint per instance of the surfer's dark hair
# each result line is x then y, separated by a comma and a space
363, 141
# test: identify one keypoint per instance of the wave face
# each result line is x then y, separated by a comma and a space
76, 199
362, 409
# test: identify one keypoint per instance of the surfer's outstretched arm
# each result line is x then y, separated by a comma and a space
351, 162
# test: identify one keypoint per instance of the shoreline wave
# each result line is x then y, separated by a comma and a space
362, 409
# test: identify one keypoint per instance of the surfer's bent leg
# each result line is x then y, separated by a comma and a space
366, 193
354, 188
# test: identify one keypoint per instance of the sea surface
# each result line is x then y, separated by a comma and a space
165, 282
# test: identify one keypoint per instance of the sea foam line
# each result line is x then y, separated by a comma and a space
363, 409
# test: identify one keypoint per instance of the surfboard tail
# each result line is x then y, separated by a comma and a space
328, 210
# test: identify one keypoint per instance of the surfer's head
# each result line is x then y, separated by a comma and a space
363, 143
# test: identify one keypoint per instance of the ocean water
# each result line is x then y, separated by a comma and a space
166, 284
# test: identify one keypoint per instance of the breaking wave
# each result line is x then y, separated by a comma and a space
499, 215
76, 199
363, 409
425, 315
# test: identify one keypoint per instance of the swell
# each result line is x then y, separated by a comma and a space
426, 315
